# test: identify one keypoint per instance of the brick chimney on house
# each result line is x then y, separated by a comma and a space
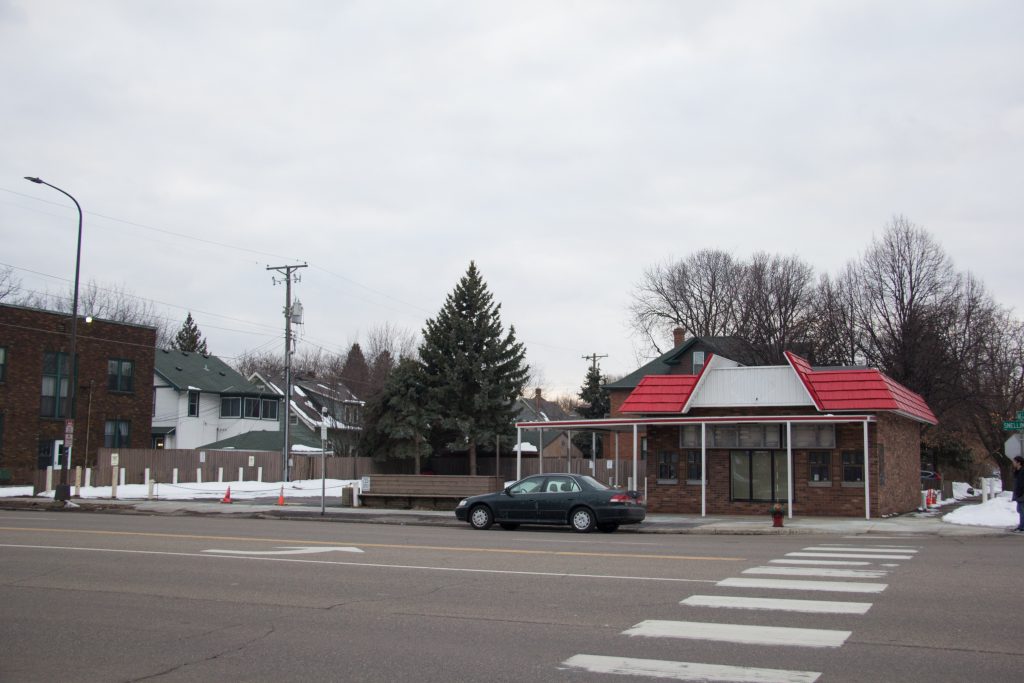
678, 336
536, 400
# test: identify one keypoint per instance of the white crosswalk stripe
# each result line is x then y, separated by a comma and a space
830, 563
851, 549
687, 671
827, 572
849, 556
808, 606
739, 633
809, 570
789, 584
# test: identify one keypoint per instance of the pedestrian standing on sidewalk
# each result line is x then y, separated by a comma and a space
1018, 491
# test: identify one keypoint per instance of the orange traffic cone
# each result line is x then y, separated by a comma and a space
280, 497
227, 496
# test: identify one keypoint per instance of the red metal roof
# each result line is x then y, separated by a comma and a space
860, 389
663, 393
660, 394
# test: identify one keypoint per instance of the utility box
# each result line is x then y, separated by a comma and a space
346, 496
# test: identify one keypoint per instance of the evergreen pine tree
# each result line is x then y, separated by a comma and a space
396, 421
594, 404
189, 338
355, 373
473, 374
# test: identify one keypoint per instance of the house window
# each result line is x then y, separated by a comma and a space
115, 434
269, 409
698, 361
819, 466
293, 419
880, 450
231, 406
668, 467
252, 408
193, 404
853, 467
119, 375
689, 436
758, 475
814, 436
693, 468
3, 363
724, 436
55, 385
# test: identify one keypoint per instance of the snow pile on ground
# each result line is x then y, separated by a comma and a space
240, 490
999, 511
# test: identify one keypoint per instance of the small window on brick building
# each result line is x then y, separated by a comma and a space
853, 467
116, 433
3, 363
120, 375
668, 467
1, 439
693, 468
819, 466
54, 392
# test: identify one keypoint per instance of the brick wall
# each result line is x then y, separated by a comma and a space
899, 439
27, 334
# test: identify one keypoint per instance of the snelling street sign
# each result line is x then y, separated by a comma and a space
1013, 426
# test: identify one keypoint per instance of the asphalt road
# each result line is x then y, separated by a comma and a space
97, 597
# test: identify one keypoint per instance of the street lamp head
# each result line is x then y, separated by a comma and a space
38, 181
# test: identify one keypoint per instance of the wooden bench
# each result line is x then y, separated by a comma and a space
424, 491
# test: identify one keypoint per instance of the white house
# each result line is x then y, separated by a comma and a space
200, 399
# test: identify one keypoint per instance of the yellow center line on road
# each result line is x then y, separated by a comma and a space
293, 541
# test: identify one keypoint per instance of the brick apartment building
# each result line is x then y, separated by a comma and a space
114, 402
712, 435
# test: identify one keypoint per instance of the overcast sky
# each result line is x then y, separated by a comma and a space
563, 146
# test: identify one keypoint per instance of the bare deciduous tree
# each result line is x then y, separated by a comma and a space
698, 293
776, 298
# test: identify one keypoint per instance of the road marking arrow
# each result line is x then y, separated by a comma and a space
286, 550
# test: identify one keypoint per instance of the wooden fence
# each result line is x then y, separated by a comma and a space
210, 466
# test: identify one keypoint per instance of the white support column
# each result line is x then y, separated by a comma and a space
703, 470
617, 482
174, 476
636, 457
540, 450
867, 475
568, 453
519, 453
789, 468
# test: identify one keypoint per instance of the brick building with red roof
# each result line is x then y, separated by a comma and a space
712, 435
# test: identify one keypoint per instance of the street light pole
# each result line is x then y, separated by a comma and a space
63, 490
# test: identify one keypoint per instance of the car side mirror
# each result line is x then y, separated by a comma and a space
507, 491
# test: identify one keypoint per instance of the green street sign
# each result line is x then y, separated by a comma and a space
1014, 426
1020, 414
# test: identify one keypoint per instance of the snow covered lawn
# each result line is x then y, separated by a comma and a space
240, 490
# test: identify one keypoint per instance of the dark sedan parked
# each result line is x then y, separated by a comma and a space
580, 501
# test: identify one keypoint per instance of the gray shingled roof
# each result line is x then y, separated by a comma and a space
264, 440
205, 373
733, 348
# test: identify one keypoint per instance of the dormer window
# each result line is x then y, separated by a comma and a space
698, 361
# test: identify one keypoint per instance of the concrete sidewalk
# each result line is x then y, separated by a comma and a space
904, 525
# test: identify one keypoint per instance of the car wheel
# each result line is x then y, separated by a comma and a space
607, 527
509, 526
481, 518
582, 520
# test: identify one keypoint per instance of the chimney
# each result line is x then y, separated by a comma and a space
678, 336
537, 398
